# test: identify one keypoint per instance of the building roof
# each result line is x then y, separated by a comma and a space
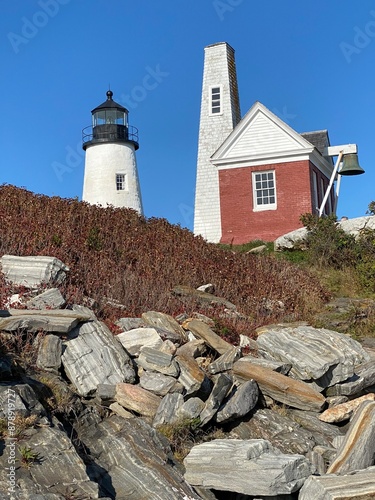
109, 103
318, 138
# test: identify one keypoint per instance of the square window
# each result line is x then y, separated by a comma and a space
264, 190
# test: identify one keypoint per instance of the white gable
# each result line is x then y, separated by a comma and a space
259, 135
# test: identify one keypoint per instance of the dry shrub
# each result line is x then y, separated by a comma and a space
116, 256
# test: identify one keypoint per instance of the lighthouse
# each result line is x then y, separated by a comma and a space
111, 175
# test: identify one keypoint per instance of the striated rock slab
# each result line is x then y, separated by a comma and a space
133, 397
192, 377
324, 433
191, 409
93, 356
203, 331
49, 354
158, 361
133, 340
282, 432
158, 383
357, 448
239, 402
33, 271
138, 463
193, 348
39, 322
163, 322
127, 324
276, 366
221, 387
279, 387
168, 410
344, 411
359, 485
324, 356
249, 467
225, 361
50, 299
58, 470
363, 377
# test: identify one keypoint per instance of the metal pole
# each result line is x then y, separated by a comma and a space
338, 161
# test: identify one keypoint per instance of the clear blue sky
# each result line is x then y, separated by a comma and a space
311, 62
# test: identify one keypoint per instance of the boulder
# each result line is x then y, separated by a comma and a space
225, 361
251, 467
344, 411
357, 448
239, 402
274, 426
163, 322
57, 468
53, 321
158, 361
290, 240
49, 353
220, 389
31, 272
133, 340
135, 398
280, 387
192, 377
137, 463
93, 356
359, 485
168, 410
203, 331
316, 354
158, 383
50, 299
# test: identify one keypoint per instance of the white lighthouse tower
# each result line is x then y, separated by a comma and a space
220, 113
111, 176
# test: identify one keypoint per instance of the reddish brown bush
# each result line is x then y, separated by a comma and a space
115, 256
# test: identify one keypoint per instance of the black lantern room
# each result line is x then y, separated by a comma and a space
109, 124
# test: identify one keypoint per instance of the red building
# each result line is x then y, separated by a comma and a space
268, 176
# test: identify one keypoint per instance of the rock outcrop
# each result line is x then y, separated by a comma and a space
110, 416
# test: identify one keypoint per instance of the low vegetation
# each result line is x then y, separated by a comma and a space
122, 264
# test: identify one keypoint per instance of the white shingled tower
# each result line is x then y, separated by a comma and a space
111, 175
220, 113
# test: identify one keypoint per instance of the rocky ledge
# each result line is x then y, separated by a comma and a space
166, 409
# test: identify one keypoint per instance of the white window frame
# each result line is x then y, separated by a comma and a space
315, 193
210, 100
121, 182
263, 206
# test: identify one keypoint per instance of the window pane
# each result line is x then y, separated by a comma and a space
120, 182
215, 100
264, 187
